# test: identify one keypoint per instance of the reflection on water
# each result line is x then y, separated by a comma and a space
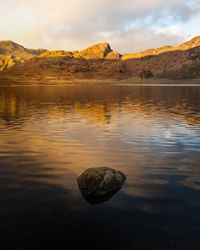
49, 135
97, 199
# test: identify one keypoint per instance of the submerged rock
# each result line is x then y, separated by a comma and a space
99, 184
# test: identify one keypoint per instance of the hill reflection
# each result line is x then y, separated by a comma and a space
150, 133
100, 104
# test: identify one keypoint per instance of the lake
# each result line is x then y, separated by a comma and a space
50, 134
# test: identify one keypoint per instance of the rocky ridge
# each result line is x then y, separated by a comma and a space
97, 51
100, 62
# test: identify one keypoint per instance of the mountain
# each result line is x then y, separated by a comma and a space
100, 62
12, 53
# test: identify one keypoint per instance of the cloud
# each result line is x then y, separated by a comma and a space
141, 38
127, 25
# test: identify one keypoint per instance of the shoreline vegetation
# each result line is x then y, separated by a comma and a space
99, 64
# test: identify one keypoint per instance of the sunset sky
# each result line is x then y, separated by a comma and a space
128, 25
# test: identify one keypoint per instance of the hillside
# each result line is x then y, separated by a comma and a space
101, 62
195, 42
12, 53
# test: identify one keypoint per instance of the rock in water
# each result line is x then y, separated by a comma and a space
97, 182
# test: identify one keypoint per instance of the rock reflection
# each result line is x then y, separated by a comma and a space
97, 199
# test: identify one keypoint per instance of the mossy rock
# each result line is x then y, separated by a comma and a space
100, 181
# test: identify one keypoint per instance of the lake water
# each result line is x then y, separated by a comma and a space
50, 134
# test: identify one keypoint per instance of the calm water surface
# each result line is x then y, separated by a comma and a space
49, 135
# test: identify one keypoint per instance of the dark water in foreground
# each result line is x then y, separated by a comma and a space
49, 135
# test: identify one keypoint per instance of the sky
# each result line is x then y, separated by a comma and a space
127, 25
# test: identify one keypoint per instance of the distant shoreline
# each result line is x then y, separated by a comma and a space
53, 81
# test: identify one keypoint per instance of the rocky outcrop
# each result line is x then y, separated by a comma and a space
97, 51
56, 53
7, 61
113, 55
